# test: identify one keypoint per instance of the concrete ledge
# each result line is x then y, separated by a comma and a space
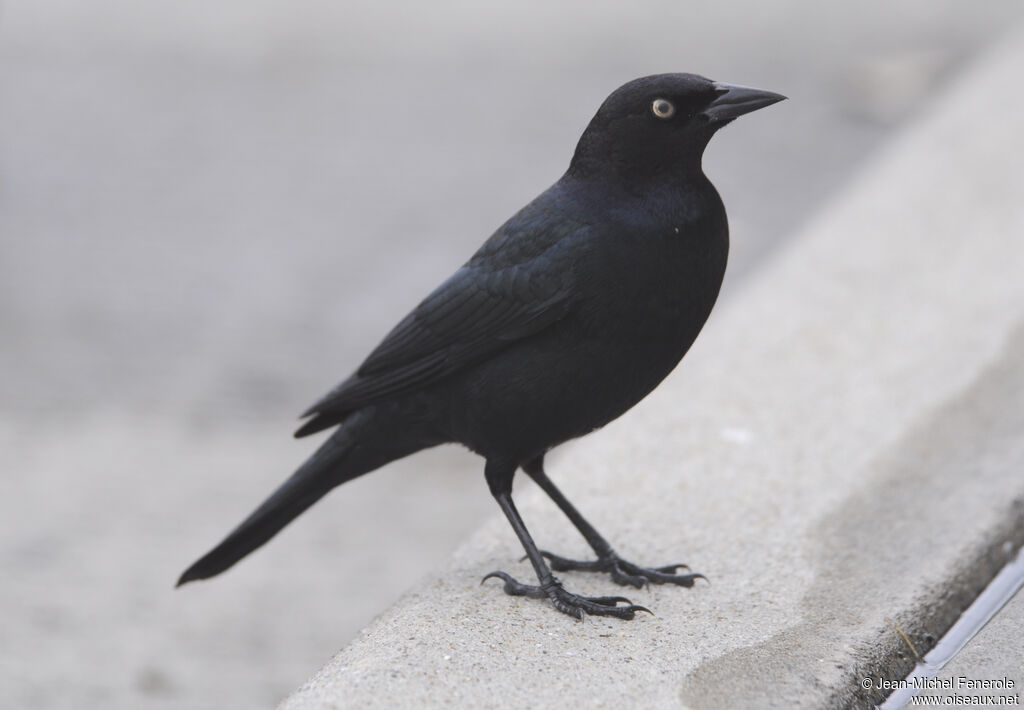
841, 454
994, 654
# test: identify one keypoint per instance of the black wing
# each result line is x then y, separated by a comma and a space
519, 283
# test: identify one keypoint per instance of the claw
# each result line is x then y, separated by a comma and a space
574, 611
671, 569
499, 575
515, 588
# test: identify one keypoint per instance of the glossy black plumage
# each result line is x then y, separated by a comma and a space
571, 313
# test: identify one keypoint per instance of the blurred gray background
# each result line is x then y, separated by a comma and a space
209, 213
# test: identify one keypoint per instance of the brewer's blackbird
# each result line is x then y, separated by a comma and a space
571, 313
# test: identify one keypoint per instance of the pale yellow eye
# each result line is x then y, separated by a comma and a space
663, 108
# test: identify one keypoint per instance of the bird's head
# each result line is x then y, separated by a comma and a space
661, 124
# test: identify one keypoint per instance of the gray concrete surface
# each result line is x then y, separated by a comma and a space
209, 213
996, 654
841, 454
978, 660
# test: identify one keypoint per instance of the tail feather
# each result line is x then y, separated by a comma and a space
318, 423
324, 470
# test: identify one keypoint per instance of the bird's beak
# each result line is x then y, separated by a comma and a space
733, 101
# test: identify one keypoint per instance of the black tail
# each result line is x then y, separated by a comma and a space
340, 459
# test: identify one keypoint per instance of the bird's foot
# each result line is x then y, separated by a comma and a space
568, 603
623, 572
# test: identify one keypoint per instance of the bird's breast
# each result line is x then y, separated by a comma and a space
653, 284
642, 285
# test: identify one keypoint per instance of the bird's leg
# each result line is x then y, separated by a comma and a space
621, 571
549, 587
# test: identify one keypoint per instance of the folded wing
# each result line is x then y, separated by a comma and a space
487, 304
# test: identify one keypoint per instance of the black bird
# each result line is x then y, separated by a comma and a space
571, 313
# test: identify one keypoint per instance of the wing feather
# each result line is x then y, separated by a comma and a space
487, 304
